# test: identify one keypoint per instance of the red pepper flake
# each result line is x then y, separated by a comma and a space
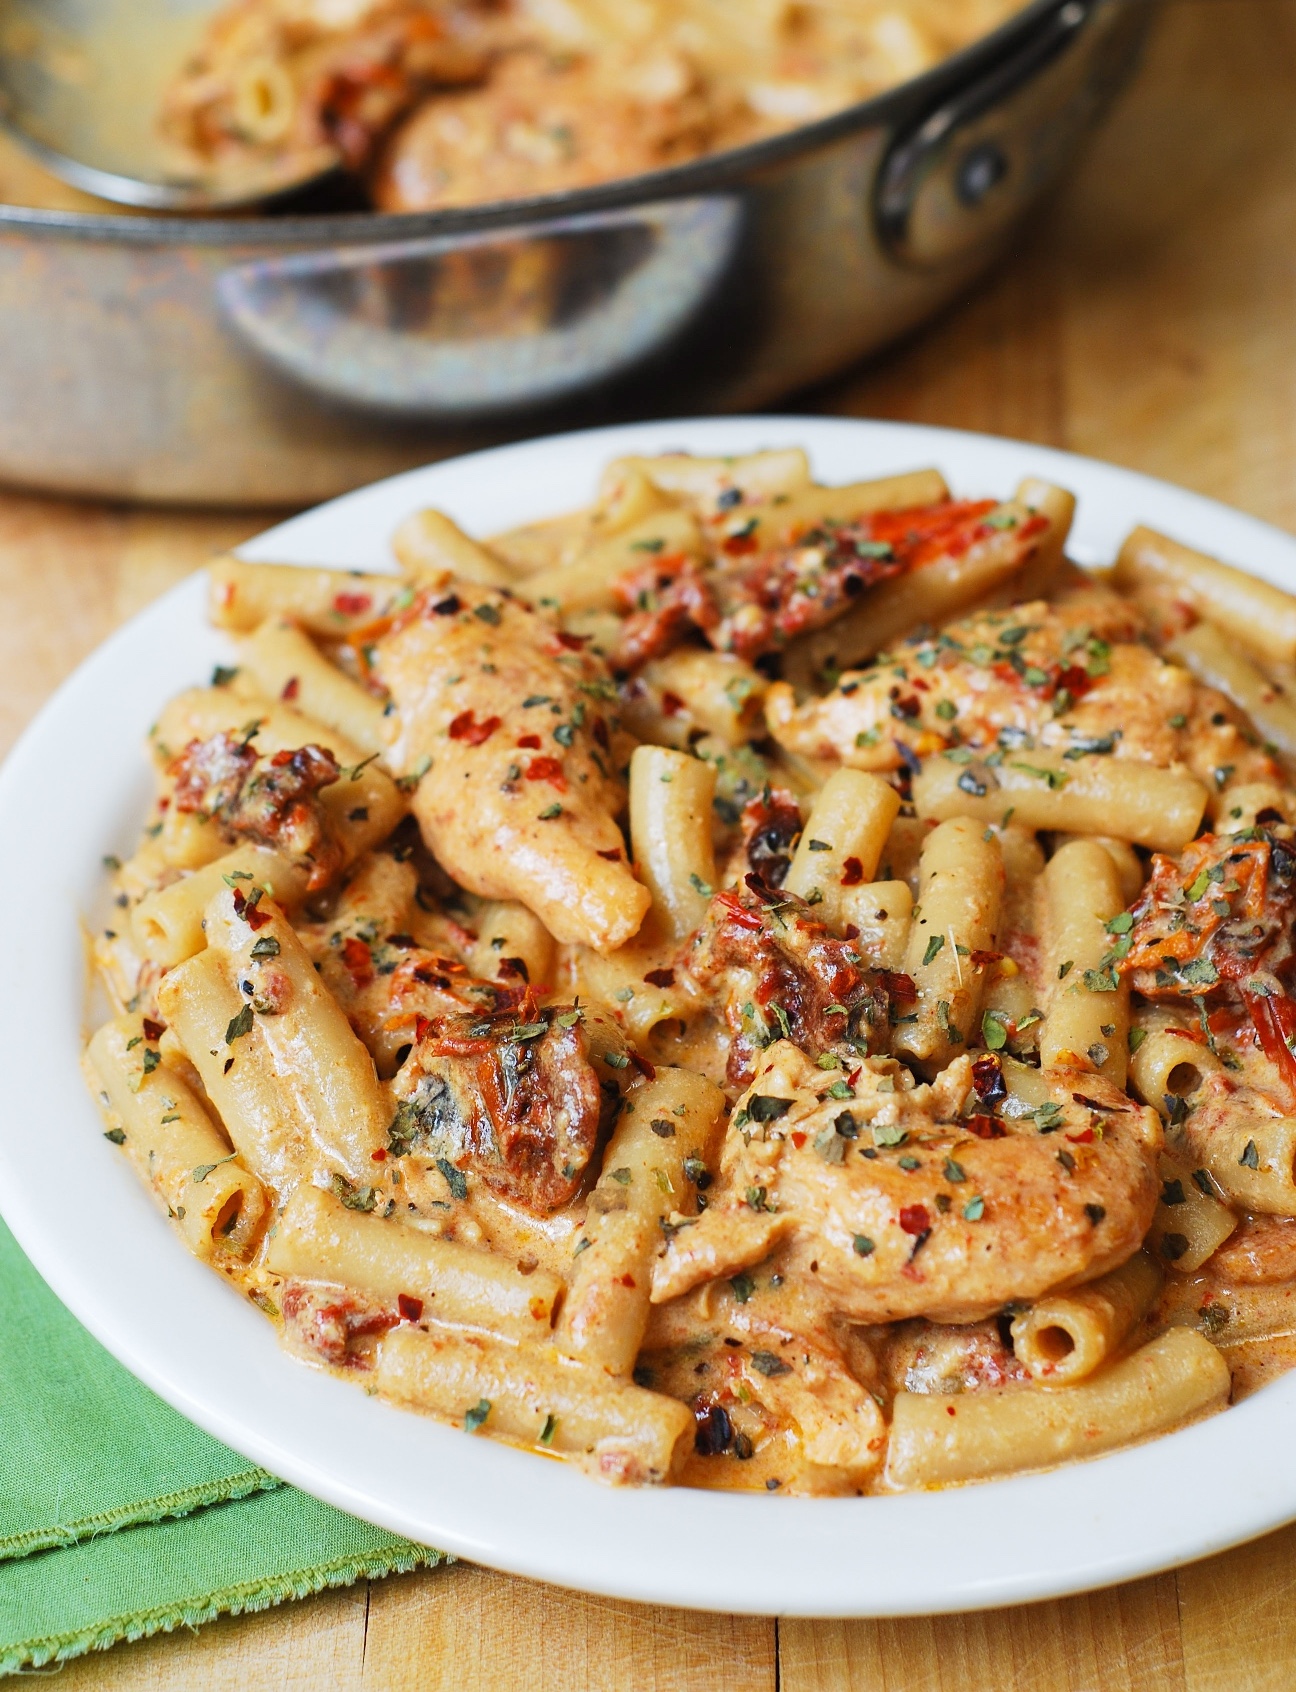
352, 604
379, 1156
986, 1128
291, 688
421, 1026
410, 1308
248, 909
642, 1065
737, 913
613, 855
529, 742
570, 642
736, 545
852, 873
600, 732
900, 987
797, 1138
672, 704
625, 1280
464, 727
1075, 681
660, 977
358, 960
914, 1219
983, 960
547, 769
1084, 1138
153, 1030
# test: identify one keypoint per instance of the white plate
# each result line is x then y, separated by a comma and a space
75, 788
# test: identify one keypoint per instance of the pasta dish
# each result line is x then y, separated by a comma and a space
750, 984
457, 102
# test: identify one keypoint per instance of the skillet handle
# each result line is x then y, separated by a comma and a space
489, 322
957, 181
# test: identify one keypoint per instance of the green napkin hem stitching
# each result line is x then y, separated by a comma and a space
58, 1536
233, 1600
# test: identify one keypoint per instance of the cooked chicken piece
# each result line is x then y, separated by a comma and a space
1071, 676
543, 124
891, 1199
930, 1357
1261, 1252
505, 724
770, 967
519, 1100
275, 76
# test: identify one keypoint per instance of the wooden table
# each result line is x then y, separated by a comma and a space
1149, 318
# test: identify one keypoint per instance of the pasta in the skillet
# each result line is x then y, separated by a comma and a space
455, 102
752, 984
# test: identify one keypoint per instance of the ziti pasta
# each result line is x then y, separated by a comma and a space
748, 984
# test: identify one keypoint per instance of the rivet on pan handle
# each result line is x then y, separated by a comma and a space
957, 181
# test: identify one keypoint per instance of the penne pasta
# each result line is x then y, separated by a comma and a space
1161, 809
1253, 612
330, 604
430, 546
317, 1238
756, 476
1065, 1337
665, 1144
508, 936
1086, 1025
535, 1397
1169, 1065
169, 925
1250, 1156
295, 1088
953, 935
217, 1203
589, 582
942, 1441
1190, 1224
287, 665
670, 833
843, 839
692, 692
1216, 661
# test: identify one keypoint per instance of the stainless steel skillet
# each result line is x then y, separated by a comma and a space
282, 359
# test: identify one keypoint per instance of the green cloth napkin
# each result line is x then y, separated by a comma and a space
118, 1518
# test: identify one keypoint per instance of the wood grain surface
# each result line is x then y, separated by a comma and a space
1149, 316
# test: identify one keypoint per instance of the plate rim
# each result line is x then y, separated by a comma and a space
647, 1570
